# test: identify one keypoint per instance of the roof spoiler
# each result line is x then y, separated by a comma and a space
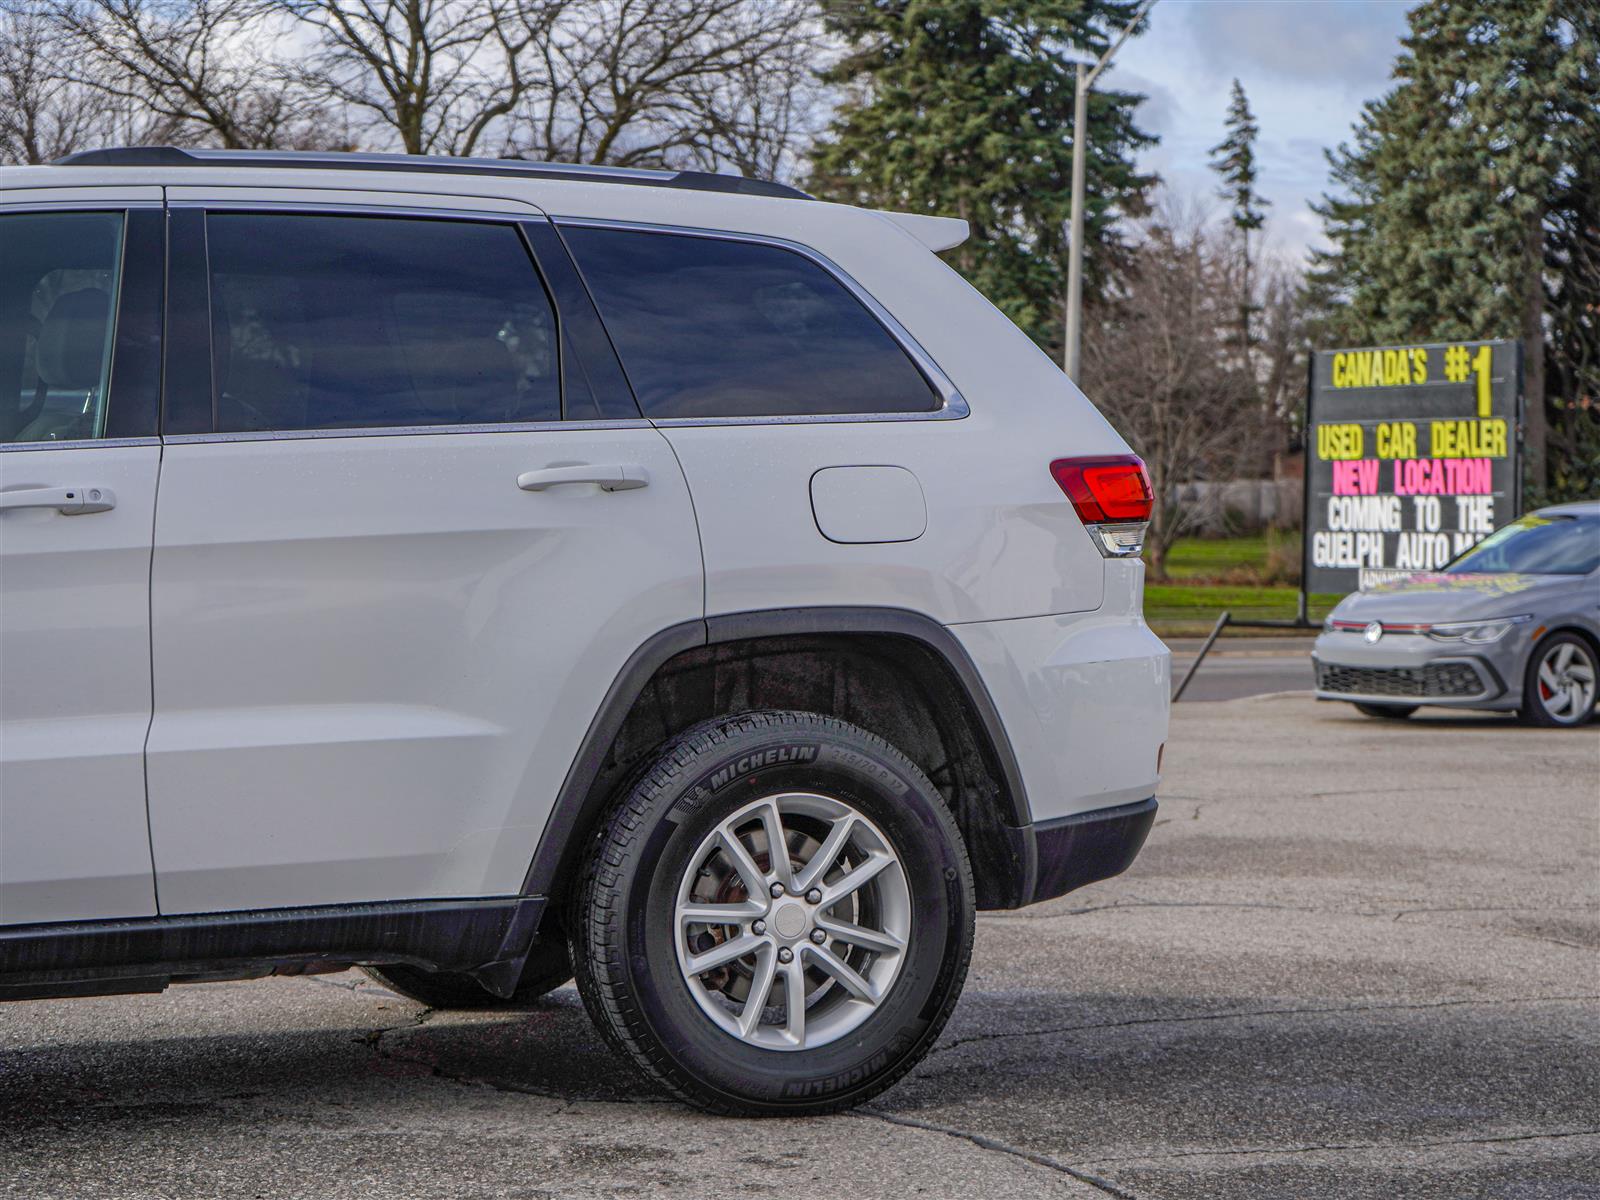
936, 233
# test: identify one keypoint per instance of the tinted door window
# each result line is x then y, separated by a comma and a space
58, 287
708, 327
330, 322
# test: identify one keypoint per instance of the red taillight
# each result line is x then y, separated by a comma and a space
1106, 489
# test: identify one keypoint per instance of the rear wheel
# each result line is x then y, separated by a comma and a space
777, 919
547, 968
1392, 712
1558, 688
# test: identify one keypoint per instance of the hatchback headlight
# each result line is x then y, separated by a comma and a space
1478, 633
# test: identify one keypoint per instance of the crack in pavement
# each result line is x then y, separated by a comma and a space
983, 1142
944, 1047
1078, 912
1380, 914
375, 1036
1340, 1147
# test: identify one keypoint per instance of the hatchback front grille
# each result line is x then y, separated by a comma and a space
1433, 681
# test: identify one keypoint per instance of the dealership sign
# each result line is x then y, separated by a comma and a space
1412, 456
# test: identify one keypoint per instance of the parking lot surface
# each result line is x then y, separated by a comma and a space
1356, 959
1243, 666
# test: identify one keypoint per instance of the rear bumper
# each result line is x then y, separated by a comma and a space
1083, 698
1069, 852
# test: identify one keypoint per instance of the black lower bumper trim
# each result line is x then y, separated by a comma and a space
1087, 847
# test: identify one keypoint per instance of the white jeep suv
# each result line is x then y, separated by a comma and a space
488, 572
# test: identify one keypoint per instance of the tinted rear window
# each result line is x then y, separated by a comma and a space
708, 327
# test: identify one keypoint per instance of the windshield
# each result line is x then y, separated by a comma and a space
1536, 546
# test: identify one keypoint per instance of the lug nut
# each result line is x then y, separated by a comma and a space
758, 928
818, 936
814, 896
775, 890
785, 955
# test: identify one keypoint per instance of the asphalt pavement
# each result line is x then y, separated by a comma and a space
1237, 666
1356, 959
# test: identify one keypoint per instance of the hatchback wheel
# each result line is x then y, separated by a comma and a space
1559, 687
777, 918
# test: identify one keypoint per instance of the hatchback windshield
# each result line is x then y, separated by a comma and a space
1535, 545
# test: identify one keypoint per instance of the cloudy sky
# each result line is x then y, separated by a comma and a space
1307, 66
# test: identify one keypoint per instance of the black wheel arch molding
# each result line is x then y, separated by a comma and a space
1020, 862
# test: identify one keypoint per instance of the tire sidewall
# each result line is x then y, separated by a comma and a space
834, 760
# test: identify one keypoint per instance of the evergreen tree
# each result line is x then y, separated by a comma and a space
1234, 159
964, 108
1459, 187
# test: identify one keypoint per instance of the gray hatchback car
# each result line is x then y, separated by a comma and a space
1513, 625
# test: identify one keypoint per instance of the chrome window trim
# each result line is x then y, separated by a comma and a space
78, 444
953, 406
524, 211
298, 435
9, 207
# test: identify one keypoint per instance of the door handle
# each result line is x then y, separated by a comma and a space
609, 478
69, 501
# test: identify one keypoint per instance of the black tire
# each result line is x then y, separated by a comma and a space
547, 968
623, 924
1533, 710
1391, 712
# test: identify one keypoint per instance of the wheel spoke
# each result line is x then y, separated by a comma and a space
811, 874
856, 935
1560, 698
794, 999
720, 914
1547, 676
855, 879
1564, 655
1582, 672
722, 954
755, 882
843, 972
760, 988
1576, 692
734, 965
777, 844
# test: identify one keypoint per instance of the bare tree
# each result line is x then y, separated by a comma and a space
43, 113
761, 117
1281, 353
669, 82
437, 76
1158, 363
199, 66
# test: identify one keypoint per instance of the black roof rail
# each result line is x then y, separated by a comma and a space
173, 156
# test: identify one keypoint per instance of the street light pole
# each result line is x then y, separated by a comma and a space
1080, 122
1080, 133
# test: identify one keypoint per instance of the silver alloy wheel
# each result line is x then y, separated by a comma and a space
1566, 678
791, 951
